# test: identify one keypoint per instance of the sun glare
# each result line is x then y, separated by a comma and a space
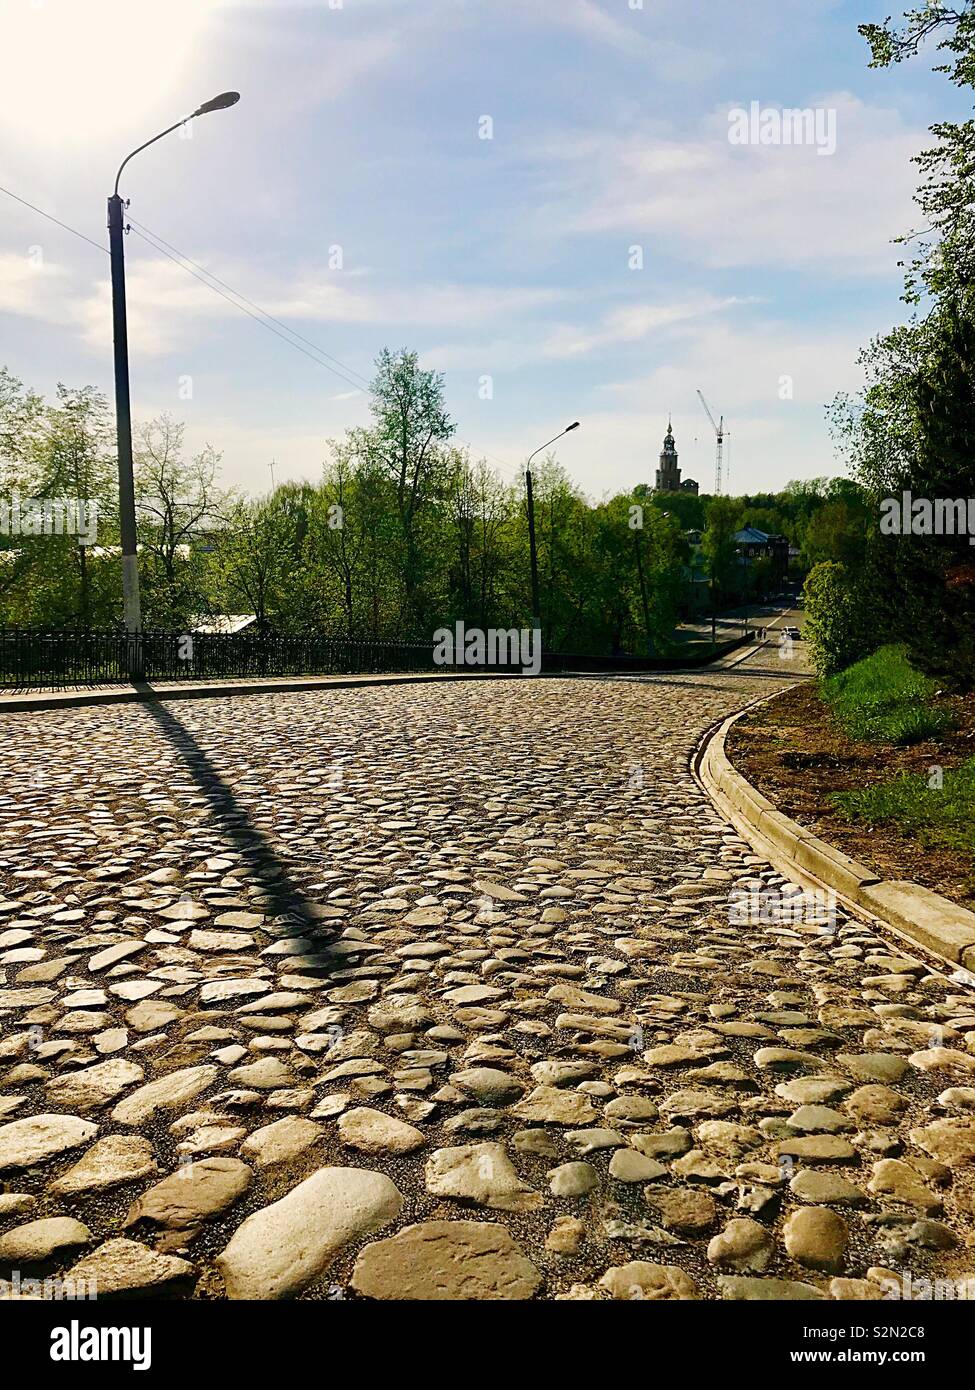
71, 70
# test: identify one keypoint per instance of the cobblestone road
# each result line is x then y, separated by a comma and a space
450, 991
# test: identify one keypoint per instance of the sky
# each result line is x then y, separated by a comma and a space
541, 197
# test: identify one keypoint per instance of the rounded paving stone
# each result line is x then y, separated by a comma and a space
447, 1260
373, 1132
281, 1249
816, 1237
39, 1240
25, 1143
538, 968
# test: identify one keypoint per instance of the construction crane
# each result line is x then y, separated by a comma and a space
721, 435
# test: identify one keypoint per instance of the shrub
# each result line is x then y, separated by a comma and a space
838, 627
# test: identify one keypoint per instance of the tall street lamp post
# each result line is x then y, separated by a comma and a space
536, 606
123, 413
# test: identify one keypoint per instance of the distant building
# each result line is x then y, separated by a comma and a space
668, 474
112, 552
224, 624
753, 544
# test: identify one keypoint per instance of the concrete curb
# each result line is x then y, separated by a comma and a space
920, 916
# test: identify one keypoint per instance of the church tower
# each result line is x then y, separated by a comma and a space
668, 474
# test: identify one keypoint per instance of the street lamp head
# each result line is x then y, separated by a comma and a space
573, 426
219, 103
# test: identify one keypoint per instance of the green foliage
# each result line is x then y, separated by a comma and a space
403, 533
911, 427
944, 259
178, 507
883, 699
937, 816
405, 442
836, 531
52, 452
256, 563
838, 629
911, 430
689, 510
718, 545
942, 568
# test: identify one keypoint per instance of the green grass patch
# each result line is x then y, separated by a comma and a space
936, 816
883, 699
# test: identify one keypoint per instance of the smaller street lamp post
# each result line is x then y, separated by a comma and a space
536, 605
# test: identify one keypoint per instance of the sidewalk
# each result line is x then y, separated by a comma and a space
74, 697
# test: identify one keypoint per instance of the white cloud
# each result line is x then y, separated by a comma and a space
725, 205
740, 367
335, 299
31, 286
167, 306
566, 342
164, 306
632, 324
633, 33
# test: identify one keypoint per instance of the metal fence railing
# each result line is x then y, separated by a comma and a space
63, 658
97, 657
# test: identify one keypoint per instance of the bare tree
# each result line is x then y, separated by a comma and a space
177, 499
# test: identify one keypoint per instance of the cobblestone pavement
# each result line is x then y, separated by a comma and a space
450, 991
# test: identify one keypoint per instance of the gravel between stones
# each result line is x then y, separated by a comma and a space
457, 991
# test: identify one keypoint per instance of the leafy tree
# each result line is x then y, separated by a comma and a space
177, 506
253, 560
481, 508
410, 424
837, 531
718, 544
837, 628
353, 545
21, 415
690, 510
61, 459
942, 568
944, 259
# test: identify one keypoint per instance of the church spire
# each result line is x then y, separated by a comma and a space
668, 472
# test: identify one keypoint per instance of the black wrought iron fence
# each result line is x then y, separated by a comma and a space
63, 658
30, 658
